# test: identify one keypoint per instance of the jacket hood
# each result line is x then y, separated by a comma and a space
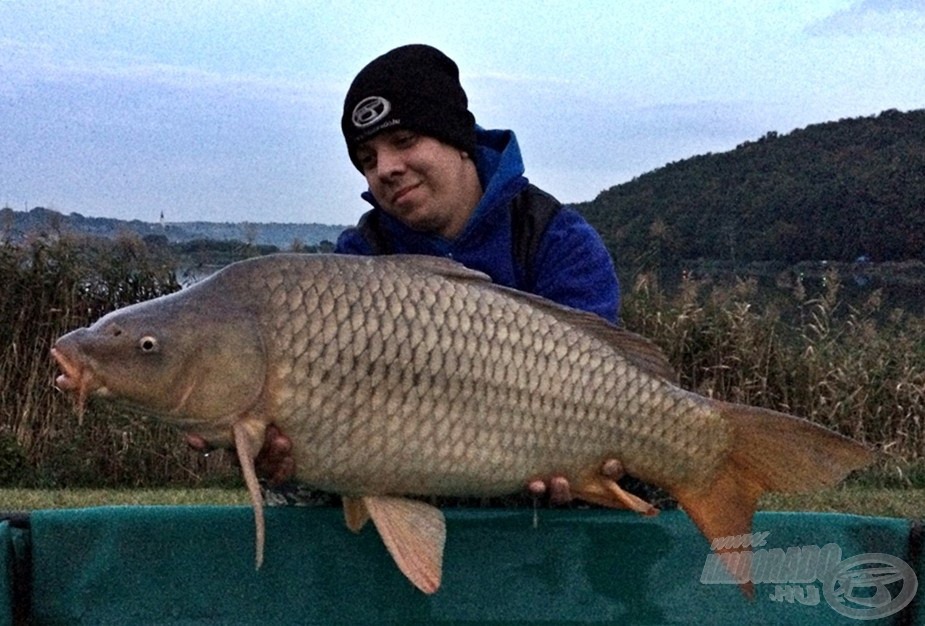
500, 169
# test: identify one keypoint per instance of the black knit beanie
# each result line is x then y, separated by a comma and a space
415, 87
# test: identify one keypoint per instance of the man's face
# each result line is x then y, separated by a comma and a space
427, 184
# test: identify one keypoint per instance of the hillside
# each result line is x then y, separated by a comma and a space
835, 191
15, 224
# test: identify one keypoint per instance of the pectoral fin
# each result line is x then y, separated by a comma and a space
248, 439
414, 534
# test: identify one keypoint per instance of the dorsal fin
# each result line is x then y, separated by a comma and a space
442, 266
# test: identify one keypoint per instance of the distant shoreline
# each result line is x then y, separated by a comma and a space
15, 225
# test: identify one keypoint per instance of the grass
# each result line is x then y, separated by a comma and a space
34, 499
857, 500
875, 501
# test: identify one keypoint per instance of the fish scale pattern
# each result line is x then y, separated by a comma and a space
391, 377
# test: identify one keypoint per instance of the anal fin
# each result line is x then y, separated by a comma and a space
414, 534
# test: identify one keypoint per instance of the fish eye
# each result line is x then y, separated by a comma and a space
147, 344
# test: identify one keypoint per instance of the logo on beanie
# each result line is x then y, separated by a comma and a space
370, 110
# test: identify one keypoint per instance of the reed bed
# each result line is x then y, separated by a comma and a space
49, 285
859, 370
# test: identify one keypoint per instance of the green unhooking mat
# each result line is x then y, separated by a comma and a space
195, 565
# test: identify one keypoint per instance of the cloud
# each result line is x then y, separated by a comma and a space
885, 17
27, 65
578, 139
116, 134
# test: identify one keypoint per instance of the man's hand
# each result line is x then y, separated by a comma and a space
274, 463
198, 444
556, 486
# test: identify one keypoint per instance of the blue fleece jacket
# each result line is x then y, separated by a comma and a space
571, 265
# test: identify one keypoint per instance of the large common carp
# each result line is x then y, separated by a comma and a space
399, 376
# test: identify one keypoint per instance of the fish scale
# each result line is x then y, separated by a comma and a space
396, 376
510, 362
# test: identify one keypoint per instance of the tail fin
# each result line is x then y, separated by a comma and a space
785, 453
770, 452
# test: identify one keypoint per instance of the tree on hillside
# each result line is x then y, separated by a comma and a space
834, 191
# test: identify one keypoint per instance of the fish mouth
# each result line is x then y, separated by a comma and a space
76, 378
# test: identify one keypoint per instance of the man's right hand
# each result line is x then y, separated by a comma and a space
274, 463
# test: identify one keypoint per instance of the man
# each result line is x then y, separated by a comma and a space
440, 185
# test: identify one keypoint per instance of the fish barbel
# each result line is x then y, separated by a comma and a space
398, 376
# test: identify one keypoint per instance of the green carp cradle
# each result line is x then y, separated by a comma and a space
400, 376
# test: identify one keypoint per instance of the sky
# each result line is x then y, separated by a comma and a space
230, 111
